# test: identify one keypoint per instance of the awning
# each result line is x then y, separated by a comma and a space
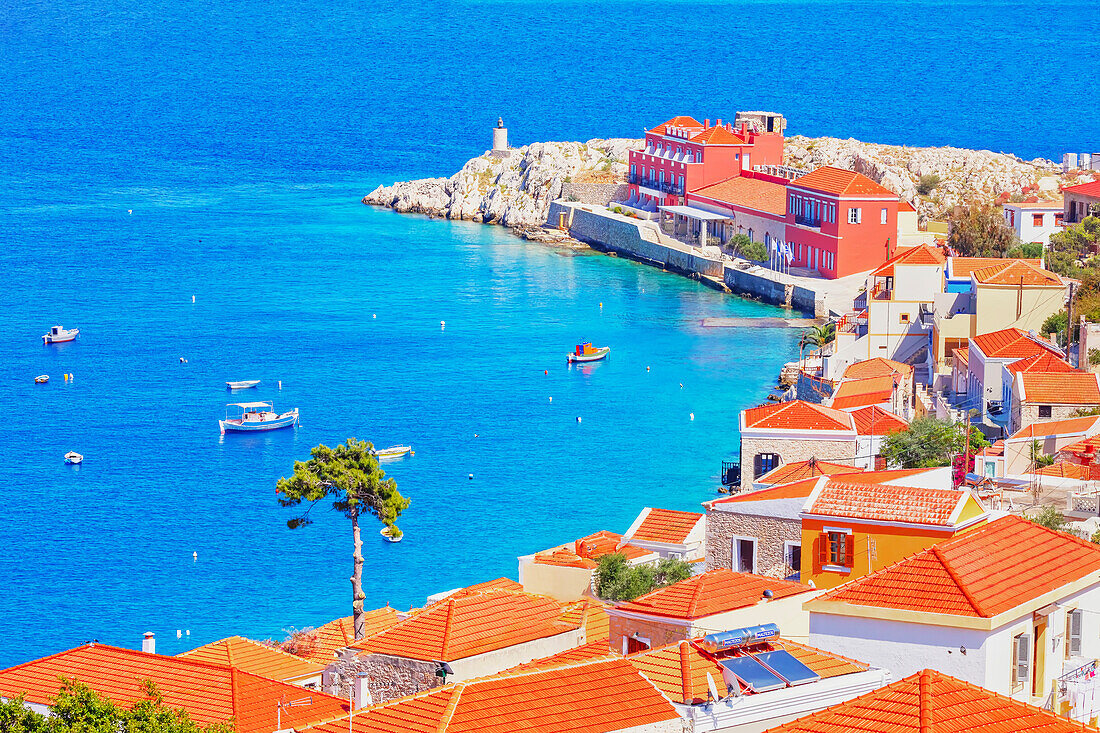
693, 213
247, 405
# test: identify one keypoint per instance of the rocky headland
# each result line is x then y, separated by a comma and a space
516, 189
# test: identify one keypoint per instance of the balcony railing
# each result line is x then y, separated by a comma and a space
807, 221
731, 473
668, 187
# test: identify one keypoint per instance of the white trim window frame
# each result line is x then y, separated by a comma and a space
735, 545
854, 215
788, 545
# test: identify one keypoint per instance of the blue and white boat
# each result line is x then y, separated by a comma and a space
250, 417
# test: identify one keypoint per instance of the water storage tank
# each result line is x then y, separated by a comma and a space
738, 638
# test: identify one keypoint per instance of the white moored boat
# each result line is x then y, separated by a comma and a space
73, 458
395, 451
392, 534
588, 352
246, 384
59, 335
250, 417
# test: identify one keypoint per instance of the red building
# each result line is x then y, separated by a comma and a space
840, 222
684, 154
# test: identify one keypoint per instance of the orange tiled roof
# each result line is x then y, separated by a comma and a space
962, 353
1010, 343
905, 206
587, 550
964, 266
1065, 469
340, 633
462, 625
877, 367
590, 614
494, 584
794, 490
885, 503
666, 525
883, 477
800, 470
254, 657
564, 558
718, 135
751, 193
1044, 362
1075, 388
590, 697
861, 392
874, 420
678, 121
841, 182
210, 693
1084, 189
1069, 426
997, 449
979, 573
715, 591
589, 652
922, 254
948, 705
796, 415
1015, 273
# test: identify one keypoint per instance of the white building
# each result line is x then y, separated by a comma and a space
1035, 222
1010, 606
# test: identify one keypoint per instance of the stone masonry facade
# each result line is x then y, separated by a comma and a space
770, 534
792, 450
387, 677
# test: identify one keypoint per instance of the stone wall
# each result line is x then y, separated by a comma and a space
747, 282
387, 677
792, 450
770, 534
598, 194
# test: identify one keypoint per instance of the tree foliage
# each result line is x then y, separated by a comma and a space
744, 247
927, 183
820, 335
350, 478
1026, 251
79, 709
618, 580
979, 230
929, 442
1048, 517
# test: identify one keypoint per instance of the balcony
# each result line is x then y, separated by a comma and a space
808, 221
880, 292
673, 189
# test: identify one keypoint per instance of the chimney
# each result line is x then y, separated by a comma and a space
718, 122
706, 124
360, 693
149, 643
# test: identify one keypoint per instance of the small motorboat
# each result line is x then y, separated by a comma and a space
42, 379
395, 451
59, 335
246, 384
392, 534
250, 417
73, 458
588, 352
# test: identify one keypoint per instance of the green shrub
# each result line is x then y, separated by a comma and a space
927, 183
617, 580
1048, 517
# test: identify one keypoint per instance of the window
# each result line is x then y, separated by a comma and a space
744, 554
1073, 633
837, 549
1021, 659
1058, 219
1044, 410
792, 556
634, 643
764, 462
854, 216
885, 216
904, 318
633, 170
750, 236
737, 156
1036, 220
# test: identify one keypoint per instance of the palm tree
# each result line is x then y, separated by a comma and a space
820, 335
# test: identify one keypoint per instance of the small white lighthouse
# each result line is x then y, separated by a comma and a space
500, 138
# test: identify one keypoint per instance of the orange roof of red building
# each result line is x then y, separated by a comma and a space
718, 135
750, 193
979, 573
948, 705
1010, 343
1016, 272
666, 525
678, 121
964, 266
841, 182
885, 502
462, 625
875, 420
715, 591
1044, 362
1084, 189
905, 206
590, 697
800, 470
797, 415
1073, 388
210, 693
921, 254
252, 656
1068, 426
877, 367
680, 670
860, 392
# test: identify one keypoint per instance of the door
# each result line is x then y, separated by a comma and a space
1039, 656
634, 645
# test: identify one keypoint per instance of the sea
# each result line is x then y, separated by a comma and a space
182, 181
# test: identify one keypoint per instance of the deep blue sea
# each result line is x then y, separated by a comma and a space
242, 137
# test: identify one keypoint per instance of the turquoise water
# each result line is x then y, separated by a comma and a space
242, 138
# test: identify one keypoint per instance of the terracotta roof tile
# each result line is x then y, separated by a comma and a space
750, 193
1010, 343
800, 470
875, 420
962, 353
841, 182
1047, 361
794, 490
718, 136
922, 254
862, 392
340, 634
254, 657
797, 415
947, 704
1077, 388
962, 267
1015, 273
1084, 189
877, 367
589, 652
1069, 426
885, 503
463, 625
678, 121
666, 525
210, 693
1064, 469
711, 592
564, 558
979, 573
589, 697
592, 615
